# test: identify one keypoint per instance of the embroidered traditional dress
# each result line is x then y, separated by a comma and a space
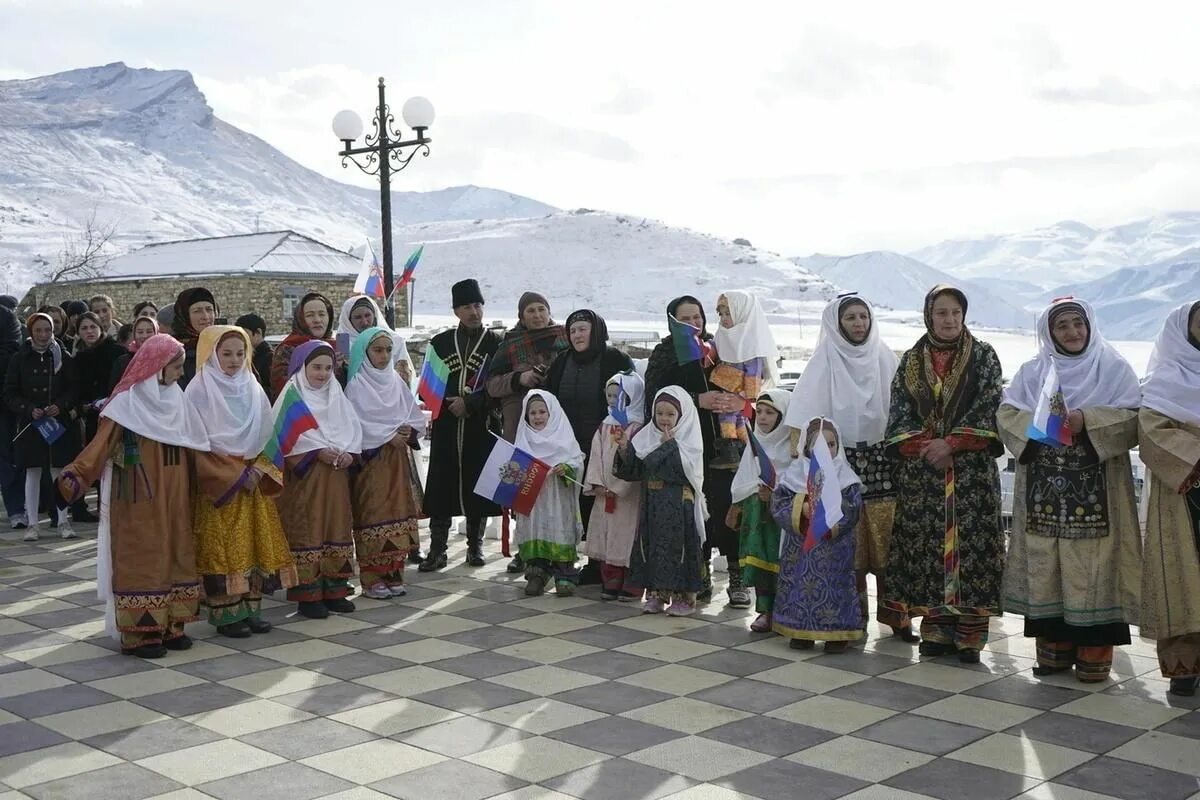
614, 517
386, 492
241, 551
747, 351
1074, 556
948, 570
143, 453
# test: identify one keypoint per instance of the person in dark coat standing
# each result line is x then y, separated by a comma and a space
95, 356
40, 384
12, 480
72, 308
195, 310
462, 434
256, 326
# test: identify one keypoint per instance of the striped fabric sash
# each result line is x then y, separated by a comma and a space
950, 558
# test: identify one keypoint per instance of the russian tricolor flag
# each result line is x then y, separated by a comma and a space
370, 275
1049, 423
512, 478
824, 494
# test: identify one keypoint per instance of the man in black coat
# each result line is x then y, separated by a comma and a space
462, 437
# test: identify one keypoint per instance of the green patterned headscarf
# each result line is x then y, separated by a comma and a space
358, 351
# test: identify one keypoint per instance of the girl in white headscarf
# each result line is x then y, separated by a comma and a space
1169, 426
548, 537
614, 516
386, 493
1074, 557
748, 352
667, 456
241, 552
750, 514
848, 380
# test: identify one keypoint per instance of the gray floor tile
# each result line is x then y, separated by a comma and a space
357, 665
952, 780
473, 697
60, 619
334, 698
14, 595
1081, 733
618, 779
280, 782
604, 611
225, 667
9, 665
775, 737
1024, 692
497, 613
272, 639
389, 614
312, 737
606, 636
738, 663
1129, 781
862, 662
616, 736
750, 695
722, 635
787, 780
193, 699
118, 782
610, 665
461, 737
52, 701
94, 669
449, 780
484, 664
1187, 725
30, 640
612, 698
21, 737
490, 638
152, 740
500, 592
372, 638
889, 694
932, 736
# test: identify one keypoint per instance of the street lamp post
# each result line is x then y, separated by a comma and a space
385, 152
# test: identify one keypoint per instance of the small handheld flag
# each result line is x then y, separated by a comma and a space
767, 474
479, 379
410, 266
824, 494
512, 478
686, 341
617, 409
370, 275
293, 419
1049, 424
432, 388
50, 429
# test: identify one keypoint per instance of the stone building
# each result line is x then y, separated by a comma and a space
265, 273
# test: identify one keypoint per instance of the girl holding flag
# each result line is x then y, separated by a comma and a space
547, 538
314, 415
386, 492
768, 455
817, 504
1074, 556
241, 552
614, 517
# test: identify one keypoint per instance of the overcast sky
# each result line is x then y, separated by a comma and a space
831, 127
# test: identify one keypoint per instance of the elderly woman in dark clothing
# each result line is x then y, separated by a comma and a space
195, 310
665, 370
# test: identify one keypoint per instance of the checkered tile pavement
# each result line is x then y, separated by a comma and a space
466, 689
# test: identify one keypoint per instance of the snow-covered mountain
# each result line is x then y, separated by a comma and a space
144, 149
896, 281
1065, 253
622, 267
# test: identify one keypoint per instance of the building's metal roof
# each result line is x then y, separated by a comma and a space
274, 253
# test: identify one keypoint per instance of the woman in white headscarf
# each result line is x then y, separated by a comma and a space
614, 515
1169, 424
144, 448
667, 456
748, 352
315, 505
241, 552
750, 513
547, 538
386, 492
848, 380
1074, 556
358, 314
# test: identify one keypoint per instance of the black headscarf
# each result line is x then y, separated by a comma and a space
848, 300
181, 323
10, 329
674, 305
599, 338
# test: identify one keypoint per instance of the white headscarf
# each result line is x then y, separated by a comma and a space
796, 475
634, 388
555, 444
691, 446
347, 327
234, 410
381, 400
750, 337
1172, 383
1099, 377
400, 353
158, 412
844, 382
777, 443
337, 424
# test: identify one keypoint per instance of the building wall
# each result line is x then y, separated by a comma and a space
270, 296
